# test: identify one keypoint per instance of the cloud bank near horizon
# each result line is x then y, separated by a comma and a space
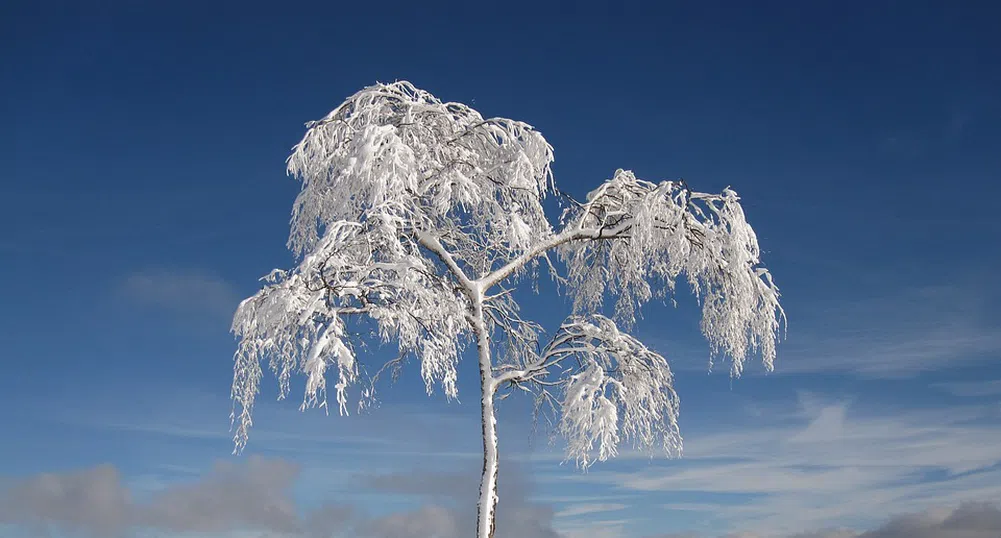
255, 496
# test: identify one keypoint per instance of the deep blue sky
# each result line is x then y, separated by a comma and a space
142, 193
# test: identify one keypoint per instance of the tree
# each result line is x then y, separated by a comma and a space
421, 217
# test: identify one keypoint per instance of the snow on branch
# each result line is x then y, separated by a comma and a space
405, 201
297, 322
612, 387
653, 233
395, 150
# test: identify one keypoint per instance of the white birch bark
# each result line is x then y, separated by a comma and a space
486, 506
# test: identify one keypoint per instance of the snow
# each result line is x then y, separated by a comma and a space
423, 216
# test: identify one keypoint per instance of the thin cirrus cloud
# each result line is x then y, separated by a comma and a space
897, 335
181, 291
183, 417
818, 466
894, 335
971, 389
590, 508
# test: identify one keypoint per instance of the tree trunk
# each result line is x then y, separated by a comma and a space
486, 508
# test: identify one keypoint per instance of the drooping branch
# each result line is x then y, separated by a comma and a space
669, 231
609, 386
298, 320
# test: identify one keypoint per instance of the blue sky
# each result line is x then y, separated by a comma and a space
142, 193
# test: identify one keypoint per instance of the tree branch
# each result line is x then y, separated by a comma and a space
430, 242
500, 274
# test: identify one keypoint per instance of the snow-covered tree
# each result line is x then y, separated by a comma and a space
422, 217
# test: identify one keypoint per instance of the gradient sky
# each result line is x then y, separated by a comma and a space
142, 193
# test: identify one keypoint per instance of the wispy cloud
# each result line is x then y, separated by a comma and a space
182, 291
819, 466
601, 528
589, 508
187, 418
972, 389
895, 335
